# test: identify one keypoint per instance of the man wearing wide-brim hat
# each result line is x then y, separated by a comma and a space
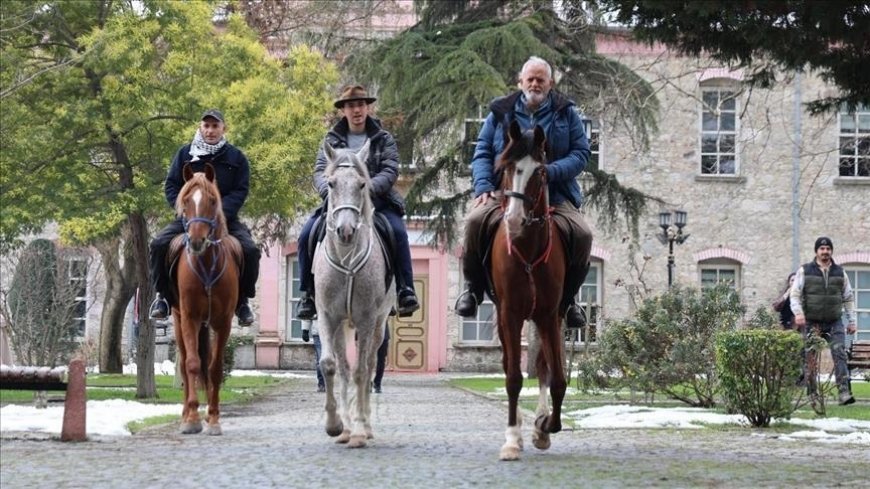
352, 131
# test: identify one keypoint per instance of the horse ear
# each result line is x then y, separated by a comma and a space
187, 172
515, 132
540, 139
329, 151
363, 153
209, 172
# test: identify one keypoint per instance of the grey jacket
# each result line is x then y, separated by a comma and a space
383, 163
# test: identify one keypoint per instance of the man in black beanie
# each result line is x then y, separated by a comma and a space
821, 293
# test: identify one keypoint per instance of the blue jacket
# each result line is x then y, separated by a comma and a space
232, 172
567, 148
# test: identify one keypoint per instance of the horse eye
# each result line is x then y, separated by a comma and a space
362, 185
519, 171
330, 184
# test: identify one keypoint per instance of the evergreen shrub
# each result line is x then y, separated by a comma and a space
757, 371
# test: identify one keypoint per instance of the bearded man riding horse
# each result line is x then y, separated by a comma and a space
568, 151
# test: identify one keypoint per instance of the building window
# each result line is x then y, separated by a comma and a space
859, 278
855, 142
589, 297
77, 273
294, 326
715, 272
593, 132
718, 131
481, 328
472, 128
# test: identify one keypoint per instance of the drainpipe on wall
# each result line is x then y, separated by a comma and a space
796, 173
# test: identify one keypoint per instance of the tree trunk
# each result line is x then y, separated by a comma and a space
120, 287
145, 386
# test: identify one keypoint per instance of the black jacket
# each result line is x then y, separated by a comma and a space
232, 172
383, 163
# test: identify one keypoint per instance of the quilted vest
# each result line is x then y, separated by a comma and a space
823, 295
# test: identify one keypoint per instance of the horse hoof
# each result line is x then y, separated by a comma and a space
191, 428
357, 441
214, 430
334, 430
344, 437
509, 453
541, 440
369, 434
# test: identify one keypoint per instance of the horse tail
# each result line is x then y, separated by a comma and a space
204, 359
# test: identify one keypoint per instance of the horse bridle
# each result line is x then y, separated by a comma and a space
351, 263
530, 218
212, 226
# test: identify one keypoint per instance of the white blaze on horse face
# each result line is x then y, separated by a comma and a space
516, 210
197, 198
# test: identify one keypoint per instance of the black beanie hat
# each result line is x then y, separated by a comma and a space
823, 241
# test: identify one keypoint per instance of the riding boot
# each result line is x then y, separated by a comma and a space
408, 302
159, 308
244, 312
306, 310
574, 277
466, 303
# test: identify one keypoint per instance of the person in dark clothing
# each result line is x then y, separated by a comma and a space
781, 305
232, 174
382, 361
536, 104
820, 296
310, 332
351, 132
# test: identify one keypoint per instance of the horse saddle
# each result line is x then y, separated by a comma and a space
386, 240
173, 254
487, 232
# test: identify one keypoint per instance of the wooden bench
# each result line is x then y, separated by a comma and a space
859, 355
71, 380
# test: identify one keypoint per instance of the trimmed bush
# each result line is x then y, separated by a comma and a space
757, 372
668, 347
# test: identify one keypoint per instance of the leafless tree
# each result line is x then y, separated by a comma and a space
45, 303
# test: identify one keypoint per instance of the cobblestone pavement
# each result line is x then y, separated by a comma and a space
426, 435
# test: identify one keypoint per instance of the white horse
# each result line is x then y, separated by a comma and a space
349, 276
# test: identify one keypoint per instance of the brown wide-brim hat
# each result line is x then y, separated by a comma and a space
351, 93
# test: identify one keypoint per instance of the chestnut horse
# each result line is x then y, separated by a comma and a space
208, 289
528, 272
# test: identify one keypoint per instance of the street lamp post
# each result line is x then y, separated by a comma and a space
671, 234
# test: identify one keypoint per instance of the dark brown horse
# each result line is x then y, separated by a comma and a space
208, 289
528, 272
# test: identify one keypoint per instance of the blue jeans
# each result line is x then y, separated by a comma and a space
404, 272
835, 334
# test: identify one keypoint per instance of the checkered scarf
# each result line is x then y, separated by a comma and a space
201, 148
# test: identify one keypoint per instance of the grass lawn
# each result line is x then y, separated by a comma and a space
494, 387
118, 386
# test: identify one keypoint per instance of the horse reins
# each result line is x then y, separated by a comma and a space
349, 265
546, 218
208, 276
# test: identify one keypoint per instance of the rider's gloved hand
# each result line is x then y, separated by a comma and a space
305, 336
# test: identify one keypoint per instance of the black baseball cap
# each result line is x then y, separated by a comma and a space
214, 114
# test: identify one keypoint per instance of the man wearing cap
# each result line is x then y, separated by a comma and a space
232, 173
821, 293
351, 132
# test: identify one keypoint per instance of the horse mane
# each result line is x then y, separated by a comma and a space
344, 156
199, 181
